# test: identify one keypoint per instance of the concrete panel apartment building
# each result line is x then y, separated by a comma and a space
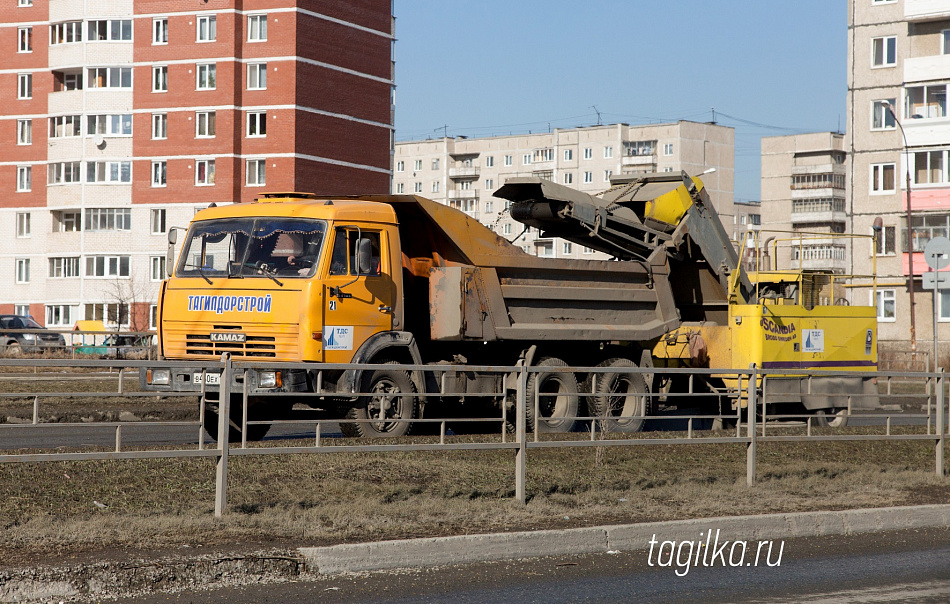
464, 172
121, 119
899, 60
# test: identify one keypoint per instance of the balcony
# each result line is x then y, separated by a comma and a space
460, 194
466, 172
818, 217
638, 160
926, 10
820, 256
926, 69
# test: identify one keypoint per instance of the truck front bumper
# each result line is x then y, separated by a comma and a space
189, 379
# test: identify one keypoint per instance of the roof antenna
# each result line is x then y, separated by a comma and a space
594, 107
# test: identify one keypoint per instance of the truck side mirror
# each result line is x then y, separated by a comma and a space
364, 256
170, 254
172, 236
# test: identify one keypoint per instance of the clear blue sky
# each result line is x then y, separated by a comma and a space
493, 67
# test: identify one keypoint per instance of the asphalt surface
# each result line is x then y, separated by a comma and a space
895, 566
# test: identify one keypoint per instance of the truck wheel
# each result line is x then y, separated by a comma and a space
620, 395
393, 398
557, 398
255, 432
830, 418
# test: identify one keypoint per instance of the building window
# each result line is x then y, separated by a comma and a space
113, 315
508, 160
588, 177
607, 175
153, 316
884, 51
886, 302
22, 270
885, 241
925, 102
207, 28
825, 180
881, 116
256, 171
24, 86
114, 30
24, 178
204, 124
65, 33
417, 165
24, 39
256, 76
668, 149
400, 188
109, 171
256, 28
945, 42
59, 315
24, 132
157, 272
489, 184
489, 162
23, 224
506, 229
489, 207
588, 250
66, 222
435, 163
108, 219
63, 173
568, 178
107, 266
418, 187
204, 172
160, 31
608, 152
61, 268
158, 221
109, 125
257, 124
400, 166
526, 159
24, 2
159, 126
159, 169
925, 228
160, 78
65, 125
588, 153
543, 155
929, 167
109, 77
882, 178
435, 186
568, 154
206, 76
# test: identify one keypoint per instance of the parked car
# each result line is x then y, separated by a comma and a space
123, 346
20, 333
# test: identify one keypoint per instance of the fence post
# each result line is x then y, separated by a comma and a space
521, 456
940, 421
750, 406
224, 420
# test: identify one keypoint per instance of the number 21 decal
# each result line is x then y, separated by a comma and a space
332, 304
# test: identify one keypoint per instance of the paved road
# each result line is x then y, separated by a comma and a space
899, 566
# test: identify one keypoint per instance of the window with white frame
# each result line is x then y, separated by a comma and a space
60, 315
157, 265
435, 163
588, 177
256, 172
109, 77
107, 266
566, 248
506, 229
159, 169
588, 153
568, 178
160, 31
882, 117
153, 316
24, 178
568, 154
668, 149
63, 267
110, 30
884, 51
24, 132
158, 221
160, 78
22, 270
206, 76
489, 184
417, 165
159, 126
113, 315
886, 303
945, 42
204, 172
119, 124
885, 241
435, 186
489, 207
508, 160
929, 167
417, 187
400, 188
257, 124
109, 172
546, 154
204, 124
256, 28
24, 3
925, 102
22, 224
66, 221
24, 86
883, 178
465, 185
526, 159
24, 39
65, 125
489, 162
207, 28
256, 76
108, 219
60, 173
607, 175
400, 166
608, 152
588, 250
22, 309
65, 33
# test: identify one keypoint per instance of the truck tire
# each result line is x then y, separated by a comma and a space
393, 398
620, 395
255, 432
830, 418
558, 400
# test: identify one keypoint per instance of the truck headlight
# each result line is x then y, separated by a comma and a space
158, 377
269, 379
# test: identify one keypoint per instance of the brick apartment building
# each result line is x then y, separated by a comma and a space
121, 119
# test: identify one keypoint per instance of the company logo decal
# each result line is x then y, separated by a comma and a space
338, 337
814, 340
222, 304
776, 332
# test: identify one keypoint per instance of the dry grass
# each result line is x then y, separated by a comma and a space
48, 510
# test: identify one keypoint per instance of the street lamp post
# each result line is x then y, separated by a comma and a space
910, 239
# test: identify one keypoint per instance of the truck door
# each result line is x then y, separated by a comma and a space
358, 304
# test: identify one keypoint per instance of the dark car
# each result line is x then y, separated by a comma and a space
127, 346
22, 334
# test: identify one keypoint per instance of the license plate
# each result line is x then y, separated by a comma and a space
213, 379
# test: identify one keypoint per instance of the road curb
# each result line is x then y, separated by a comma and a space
414, 553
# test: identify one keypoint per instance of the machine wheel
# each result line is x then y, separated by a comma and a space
255, 432
557, 398
831, 418
392, 398
620, 395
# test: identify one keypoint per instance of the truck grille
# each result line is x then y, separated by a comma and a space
193, 340
255, 346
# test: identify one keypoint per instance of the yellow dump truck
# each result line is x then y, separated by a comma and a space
397, 280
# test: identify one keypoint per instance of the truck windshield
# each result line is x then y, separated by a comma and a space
252, 247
